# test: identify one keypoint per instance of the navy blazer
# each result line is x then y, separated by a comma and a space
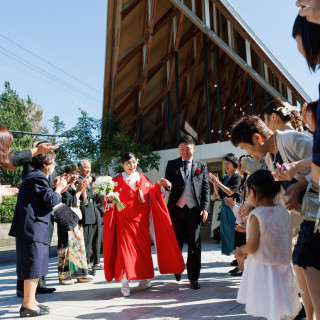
35, 202
199, 182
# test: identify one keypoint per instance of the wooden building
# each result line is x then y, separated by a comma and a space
192, 66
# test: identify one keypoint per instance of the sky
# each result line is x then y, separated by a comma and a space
54, 51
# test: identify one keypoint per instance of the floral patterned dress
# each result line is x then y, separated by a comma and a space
72, 261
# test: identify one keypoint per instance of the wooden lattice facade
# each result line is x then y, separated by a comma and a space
193, 66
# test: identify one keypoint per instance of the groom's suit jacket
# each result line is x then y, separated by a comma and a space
199, 183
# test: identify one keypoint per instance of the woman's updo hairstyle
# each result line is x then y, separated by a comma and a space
285, 111
71, 167
263, 184
127, 156
39, 161
231, 157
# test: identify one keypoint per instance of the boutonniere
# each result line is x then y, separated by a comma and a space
198, 171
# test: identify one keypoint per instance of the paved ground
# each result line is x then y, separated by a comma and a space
165, 300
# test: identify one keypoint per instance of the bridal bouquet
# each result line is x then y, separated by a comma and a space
104, 187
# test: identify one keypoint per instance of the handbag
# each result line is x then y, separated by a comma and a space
65, 217
310, 208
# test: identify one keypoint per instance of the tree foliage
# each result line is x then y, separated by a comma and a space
100, 141
19, 115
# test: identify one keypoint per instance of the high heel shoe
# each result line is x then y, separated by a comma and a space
24, 312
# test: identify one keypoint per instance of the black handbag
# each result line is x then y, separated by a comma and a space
65, 217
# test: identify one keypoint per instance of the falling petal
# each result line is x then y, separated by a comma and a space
219, 131
212, 130
240, 109
224, 108
235, 104
243, 113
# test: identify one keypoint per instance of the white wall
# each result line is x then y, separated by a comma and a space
207, 153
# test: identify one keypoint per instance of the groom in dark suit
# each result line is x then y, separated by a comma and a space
188, 203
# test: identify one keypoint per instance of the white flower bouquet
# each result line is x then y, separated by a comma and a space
104, 186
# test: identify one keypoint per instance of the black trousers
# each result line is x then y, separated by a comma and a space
187, 226
96, 240
88, 231
42, 281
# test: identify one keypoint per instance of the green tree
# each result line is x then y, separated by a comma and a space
86, 141
19, 115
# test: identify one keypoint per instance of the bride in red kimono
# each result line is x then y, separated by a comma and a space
126, 233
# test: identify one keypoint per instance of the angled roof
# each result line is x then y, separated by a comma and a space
192, 66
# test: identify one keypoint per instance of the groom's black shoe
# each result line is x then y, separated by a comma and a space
178, 277
194, 284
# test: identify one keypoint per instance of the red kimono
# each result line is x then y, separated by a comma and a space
126, 234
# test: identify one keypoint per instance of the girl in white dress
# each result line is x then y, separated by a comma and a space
268, 287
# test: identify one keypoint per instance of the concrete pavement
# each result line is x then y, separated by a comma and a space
165, 300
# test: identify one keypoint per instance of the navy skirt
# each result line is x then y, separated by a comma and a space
32, 259
306, 252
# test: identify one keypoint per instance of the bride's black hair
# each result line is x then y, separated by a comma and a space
127, 156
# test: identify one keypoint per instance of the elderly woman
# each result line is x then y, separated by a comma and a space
227, 186
72, 260
30, 227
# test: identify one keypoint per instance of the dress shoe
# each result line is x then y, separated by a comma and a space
194, 284
43, 307
178, 277
45, 290
125, 291
19, 293
236, 269
236, 274
24, 312
144, 284
97, 267
87, 278
234, 263
66, 282
92, 272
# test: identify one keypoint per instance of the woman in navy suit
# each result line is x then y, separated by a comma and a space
30, 227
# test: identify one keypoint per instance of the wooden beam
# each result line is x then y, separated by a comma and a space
126, 56
168, 16
116, 43
147, 57
127, 90
176, 47
128, 7
122, 106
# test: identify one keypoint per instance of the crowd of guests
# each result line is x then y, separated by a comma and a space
262, 194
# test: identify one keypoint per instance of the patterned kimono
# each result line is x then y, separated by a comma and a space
72, 261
